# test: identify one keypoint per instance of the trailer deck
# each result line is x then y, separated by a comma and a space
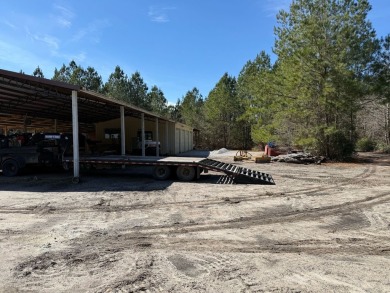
186, 168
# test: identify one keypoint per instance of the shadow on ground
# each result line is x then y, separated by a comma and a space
137, 178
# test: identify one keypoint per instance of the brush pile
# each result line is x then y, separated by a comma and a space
298, 158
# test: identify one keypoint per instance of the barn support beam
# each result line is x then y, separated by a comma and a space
123, 132
157, 140
75, 128
143, 134
167, 150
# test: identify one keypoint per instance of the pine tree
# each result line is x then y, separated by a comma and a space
118, 86
324, 48
221, 113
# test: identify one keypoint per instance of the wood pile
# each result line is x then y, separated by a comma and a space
298, 158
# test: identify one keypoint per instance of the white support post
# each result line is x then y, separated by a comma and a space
143, 133
123, 132
75, 127
167, 137
157, 140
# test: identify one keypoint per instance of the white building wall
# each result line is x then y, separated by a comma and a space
180, 136
184, 139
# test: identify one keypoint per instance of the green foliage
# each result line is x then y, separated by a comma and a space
381, 70
253, 87
174, 112
324, 50
190, 110
118, 86
38, 72
158, 102
382, 147
92, 80
191, 107
88, 78
365, 144
135, 91
263, 134
222, 112
339, 146
139, 92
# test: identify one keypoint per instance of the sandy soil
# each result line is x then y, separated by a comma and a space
321, 228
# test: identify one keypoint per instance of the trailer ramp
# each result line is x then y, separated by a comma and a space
237, 174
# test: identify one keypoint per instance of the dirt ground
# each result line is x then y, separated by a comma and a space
321, 228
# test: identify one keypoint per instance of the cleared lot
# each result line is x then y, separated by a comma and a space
321, 228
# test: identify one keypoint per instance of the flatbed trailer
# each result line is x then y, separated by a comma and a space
185, 168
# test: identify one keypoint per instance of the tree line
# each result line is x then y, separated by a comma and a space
329, 82
119, 86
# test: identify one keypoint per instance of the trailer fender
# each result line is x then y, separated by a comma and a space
199, 170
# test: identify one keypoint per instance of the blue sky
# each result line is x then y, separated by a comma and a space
176, 45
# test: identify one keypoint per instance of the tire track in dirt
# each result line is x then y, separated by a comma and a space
145, 241
81, 254
262, 219
91, 250
267, 219
368, 172
353, 246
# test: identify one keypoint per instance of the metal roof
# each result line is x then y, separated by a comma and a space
26, 95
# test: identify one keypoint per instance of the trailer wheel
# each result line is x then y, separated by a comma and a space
161, 172
10, 168
185, 173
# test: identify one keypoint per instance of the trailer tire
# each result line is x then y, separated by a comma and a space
185, 173
161, 172
10, 167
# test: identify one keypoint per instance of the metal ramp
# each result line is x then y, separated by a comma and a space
237, 174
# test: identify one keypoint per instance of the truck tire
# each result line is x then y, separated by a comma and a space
161, 172
10, 168
185, 173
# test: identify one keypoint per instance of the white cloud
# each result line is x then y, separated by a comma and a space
64, 17
79, 57
92, 31
49, 41
64, 23
9, 24
9, 52
15, 58
159, 14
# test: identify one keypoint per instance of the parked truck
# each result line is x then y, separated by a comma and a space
41, 149
150, 144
